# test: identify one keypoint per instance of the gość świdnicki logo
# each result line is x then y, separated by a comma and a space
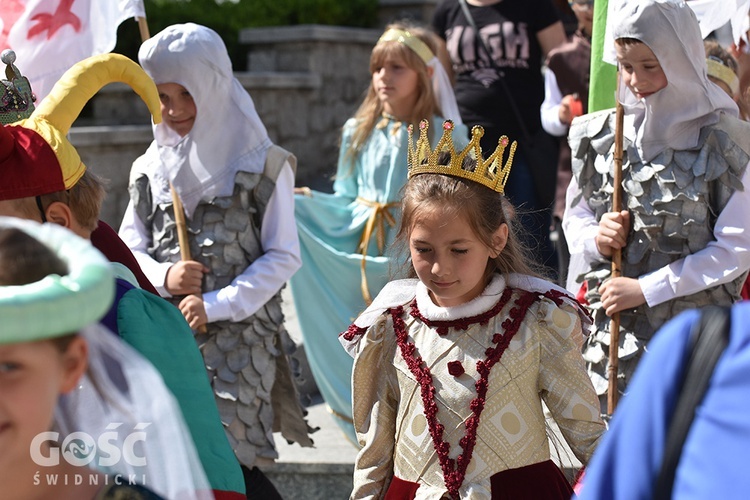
81, 449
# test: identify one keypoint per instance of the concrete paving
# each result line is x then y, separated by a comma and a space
323, 472
331, 444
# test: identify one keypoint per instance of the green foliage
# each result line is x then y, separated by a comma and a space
229, 17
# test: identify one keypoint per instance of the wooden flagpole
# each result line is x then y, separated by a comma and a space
614, 325
179, 211
143, 28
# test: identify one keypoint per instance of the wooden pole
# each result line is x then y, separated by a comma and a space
179, 219
614, 325
179, 211
143, 28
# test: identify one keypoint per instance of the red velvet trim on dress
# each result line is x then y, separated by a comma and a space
400, 489
540, 481
454, 471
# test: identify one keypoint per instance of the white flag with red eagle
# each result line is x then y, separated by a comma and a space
50, 36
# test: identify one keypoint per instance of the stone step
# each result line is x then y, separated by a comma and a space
312, 481
323, 472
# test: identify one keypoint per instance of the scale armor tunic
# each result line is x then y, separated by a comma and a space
674, 201
246, 360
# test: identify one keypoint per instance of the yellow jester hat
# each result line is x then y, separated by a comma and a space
36, 157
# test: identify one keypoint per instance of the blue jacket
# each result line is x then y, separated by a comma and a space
627, 462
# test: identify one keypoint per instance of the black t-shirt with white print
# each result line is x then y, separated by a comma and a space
509, 29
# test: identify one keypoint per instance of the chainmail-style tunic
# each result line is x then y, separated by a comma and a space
246, 360
674, 201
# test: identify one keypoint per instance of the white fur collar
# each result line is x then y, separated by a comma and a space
482, 303
401, 292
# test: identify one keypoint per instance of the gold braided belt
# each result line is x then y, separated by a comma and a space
379, 216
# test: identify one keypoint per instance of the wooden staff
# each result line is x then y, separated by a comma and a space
179, 219
179, 211
182, 236
614, 325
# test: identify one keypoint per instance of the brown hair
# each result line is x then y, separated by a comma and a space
84, 199
627, 42
484, 209
24, 260
371, 109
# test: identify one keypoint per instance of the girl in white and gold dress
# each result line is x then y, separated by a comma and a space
451, 368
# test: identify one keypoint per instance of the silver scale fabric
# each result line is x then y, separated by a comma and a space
673, 201
247, 361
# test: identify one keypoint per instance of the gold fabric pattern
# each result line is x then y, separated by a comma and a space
543, 359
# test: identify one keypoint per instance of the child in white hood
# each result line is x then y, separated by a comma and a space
681, 227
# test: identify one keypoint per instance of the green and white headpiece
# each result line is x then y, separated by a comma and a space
56, 305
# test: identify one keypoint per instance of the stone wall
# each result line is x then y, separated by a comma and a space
309, 123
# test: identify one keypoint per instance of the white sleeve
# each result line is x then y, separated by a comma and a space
138, 238
721, 261
249, 291
580, 227
550, 109
579, 224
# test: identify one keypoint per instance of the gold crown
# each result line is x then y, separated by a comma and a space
490, 172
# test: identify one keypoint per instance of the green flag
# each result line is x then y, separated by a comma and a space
603, 78
711, 15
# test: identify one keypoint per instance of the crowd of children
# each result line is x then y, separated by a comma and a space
457, 347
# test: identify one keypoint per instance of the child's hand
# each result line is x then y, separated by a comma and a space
613, 232
621, 293
185, 277
570, 107
305, 191
194, 311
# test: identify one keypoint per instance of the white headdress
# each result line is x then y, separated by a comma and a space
672, 117
227, 136
122, 404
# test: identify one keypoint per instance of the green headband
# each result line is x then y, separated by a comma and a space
56, 305
411, 41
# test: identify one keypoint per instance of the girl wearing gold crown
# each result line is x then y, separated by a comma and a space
467, 349
344, 235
